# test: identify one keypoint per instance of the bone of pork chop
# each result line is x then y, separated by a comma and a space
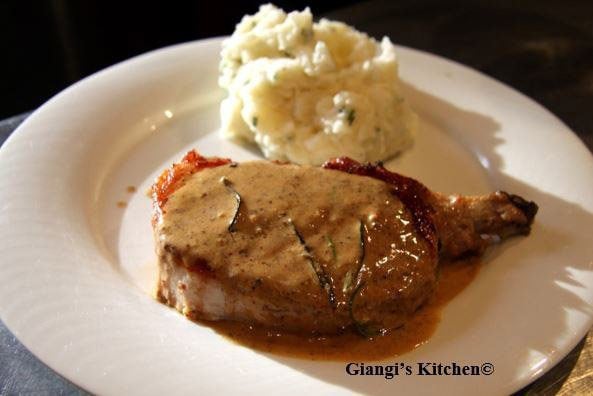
464, 225
469, 224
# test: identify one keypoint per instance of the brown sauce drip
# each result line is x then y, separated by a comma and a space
350, 346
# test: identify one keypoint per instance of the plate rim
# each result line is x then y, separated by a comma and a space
20, 131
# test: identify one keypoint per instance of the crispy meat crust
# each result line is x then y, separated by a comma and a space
171, 179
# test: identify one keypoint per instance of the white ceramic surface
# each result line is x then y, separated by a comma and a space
75, 268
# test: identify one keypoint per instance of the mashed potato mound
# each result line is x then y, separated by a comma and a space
306, 92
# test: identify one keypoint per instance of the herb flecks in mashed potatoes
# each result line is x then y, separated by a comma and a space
306, 92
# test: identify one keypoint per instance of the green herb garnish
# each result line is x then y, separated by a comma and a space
307, 34
233, 224
363, 328
333, 196
324, 280
332, 247
286, 54
347, 283
254, 121
351, 116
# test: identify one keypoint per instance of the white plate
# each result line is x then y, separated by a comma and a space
74, 268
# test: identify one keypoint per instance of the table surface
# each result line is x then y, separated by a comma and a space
543, 49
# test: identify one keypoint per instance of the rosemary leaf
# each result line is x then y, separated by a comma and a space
332, 247
233, 224
324, 279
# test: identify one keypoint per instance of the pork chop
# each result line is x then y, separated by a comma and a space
315, 250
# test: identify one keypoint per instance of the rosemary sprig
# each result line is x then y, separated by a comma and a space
324, 279
332, 247
233, 224
351, 116
347, 285
365, 329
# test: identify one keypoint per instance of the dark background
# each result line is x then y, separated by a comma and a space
47, 45
542, 48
